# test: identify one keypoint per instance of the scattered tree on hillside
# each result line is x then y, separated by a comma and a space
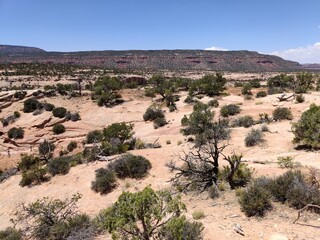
106, 91
201, 164
210, 85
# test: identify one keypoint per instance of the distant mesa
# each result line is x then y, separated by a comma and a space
153, 59
10, 49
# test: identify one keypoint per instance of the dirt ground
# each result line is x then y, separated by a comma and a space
221, 214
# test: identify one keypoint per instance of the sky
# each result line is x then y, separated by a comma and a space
287, 28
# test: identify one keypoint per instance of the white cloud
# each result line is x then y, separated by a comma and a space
308, 54
216, 49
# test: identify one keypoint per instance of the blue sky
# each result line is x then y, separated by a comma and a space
288, 28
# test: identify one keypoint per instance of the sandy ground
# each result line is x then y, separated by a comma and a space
221, 214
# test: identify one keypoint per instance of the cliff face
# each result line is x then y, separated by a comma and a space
8, 49
158, 60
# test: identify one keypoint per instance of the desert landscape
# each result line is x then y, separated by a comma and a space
62, 107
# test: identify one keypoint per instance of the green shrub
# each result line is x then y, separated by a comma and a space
94, 136
159, 122
300, 98
244, 121
181, 228
152, 113
189, 99
130, 166
30, 105
261, 94
71, 146
209, 84
255, 200
20, 94
35, 175
229, 110
255, 83
198, 214
285, 162
45, 149
300, 194
241, 176
150, 92
58, 129
280, 185
10, 234
16, 133
72, 116
104, 182
246, 89
59, 165
307, 128
59, 112
16, 114
48, 107
253, 138
282, 113
213, 103
27, 162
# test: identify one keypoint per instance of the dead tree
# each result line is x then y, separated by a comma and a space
284, 97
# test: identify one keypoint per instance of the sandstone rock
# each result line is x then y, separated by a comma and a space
42, 123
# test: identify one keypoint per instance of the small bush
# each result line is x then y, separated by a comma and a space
150, 92
253, 138
264, 128
280, 185
181, 228
213, 103
241, 176
27, 162
30, 105
16, 133
16, 114
152, 113
59, 112
58, 129
255, 83
172, 108
104, 182
255, 200
246, 89
300, 98
199, 214
10, 234
159, 122
94, 136
36, 175
189, 99
229, 110
300, 194
282, 113
59, 165
48, 107
72, 116
261, 94
71, 146
244, 121
285, 162
130, 166
20, 94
